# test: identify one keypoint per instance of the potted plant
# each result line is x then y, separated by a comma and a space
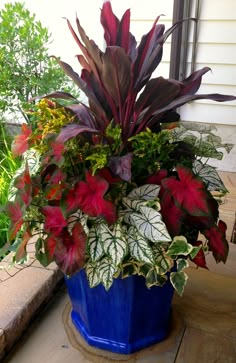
119, 191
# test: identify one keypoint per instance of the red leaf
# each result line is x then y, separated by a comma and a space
54, 220
217, 242
188, 192
69, 252
90, 198
171, 214
157, 178
200, 259
20, 143
21, 250
14, 212
109, 176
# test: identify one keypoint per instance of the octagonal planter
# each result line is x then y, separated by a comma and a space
125, 319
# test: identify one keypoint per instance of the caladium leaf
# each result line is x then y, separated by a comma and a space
15, 212
54, 219
178, 280
106, 271
188, 192
150, 225
139, 247
95, 244
114, 243
209, 175
133, 205
21, 252
217, 242
92, 274
20, 143
145, 192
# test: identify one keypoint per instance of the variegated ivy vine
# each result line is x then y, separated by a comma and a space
138, 243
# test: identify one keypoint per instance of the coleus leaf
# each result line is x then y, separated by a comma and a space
21, 252
121, 166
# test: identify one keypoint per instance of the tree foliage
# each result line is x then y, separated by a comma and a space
26, 70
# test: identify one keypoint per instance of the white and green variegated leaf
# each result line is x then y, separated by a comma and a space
209, 176
163, 262
179, 246
150, 225
178, 280
139, 247
145, 192
182, 263
133, 204
153, 278
106, 271
92, 274
95, 244
114, 243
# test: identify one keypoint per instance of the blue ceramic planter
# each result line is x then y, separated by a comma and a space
123, 320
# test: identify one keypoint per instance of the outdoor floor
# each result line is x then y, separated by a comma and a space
203, 326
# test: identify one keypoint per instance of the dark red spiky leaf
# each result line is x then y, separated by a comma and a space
73, 130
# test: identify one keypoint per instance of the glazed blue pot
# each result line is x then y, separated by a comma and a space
125, 319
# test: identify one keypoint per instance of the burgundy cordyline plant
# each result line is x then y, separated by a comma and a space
119, 186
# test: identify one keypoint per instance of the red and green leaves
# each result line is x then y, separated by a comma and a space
90, 198
20, 143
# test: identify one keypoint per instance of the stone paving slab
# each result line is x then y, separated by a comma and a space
23, 291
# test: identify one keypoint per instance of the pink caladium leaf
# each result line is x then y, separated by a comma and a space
69, 250
21, 252
188, 192
54, 219
217, 241
14, 211
23, 183
91, 198
20, 143
200, 259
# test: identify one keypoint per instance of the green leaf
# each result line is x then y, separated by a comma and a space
195, 251
153, 278
179, 246
92, 274
178, 280
150, 225
106, 271
163, 262
145, 192
95, 245
209, 176
139, 247
114, 243
182, 263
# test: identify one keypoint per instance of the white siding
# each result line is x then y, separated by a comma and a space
216, 48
